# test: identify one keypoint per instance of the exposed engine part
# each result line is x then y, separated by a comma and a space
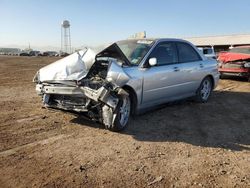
101, 95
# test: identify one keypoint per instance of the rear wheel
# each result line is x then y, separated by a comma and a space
204, 90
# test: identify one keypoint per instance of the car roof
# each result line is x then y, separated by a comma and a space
157, 39
170, 39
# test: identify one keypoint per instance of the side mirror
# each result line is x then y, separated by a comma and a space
152, 61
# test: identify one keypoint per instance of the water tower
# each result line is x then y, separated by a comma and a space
65, 37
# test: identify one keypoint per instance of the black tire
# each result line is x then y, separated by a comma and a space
122, 116
204, 91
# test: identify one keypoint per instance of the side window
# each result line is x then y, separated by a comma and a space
187, 53
165, 53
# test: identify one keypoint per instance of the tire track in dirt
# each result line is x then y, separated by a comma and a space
33, 144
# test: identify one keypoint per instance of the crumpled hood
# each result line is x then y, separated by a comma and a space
225, 57
72, 67
76, 66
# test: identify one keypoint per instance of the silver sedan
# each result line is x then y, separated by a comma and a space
128, 77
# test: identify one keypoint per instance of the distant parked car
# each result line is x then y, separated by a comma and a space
24, 54
208, 52
63, 54
34, 53
50, 53
235, 62
127, 78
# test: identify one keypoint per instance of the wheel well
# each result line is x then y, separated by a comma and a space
133, 98
212, 79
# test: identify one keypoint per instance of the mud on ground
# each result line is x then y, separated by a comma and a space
179, 145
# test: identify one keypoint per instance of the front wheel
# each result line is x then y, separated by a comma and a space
204, 90
121, 115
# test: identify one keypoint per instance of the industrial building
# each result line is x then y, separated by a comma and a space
9, 51
221, 43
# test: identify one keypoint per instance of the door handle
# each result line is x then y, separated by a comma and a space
176, 69
201, 65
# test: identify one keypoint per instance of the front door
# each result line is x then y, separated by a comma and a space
162, 81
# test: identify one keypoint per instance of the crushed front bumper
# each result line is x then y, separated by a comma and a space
102, 94
242, 72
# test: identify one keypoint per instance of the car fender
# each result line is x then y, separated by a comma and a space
116, 75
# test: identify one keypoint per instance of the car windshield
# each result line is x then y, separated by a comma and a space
135, 50
241, 50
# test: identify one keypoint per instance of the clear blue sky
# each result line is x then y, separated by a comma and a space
94, 22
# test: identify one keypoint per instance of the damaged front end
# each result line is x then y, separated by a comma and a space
236, 62
86, 82
235, 68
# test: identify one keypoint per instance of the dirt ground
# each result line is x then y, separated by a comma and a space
185, 144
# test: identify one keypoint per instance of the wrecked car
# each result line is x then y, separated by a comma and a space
126, 78
235, 62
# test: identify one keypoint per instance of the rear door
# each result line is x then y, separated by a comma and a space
192, 68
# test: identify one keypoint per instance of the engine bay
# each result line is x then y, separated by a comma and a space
97, 75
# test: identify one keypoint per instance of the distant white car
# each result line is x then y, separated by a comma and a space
208, 52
